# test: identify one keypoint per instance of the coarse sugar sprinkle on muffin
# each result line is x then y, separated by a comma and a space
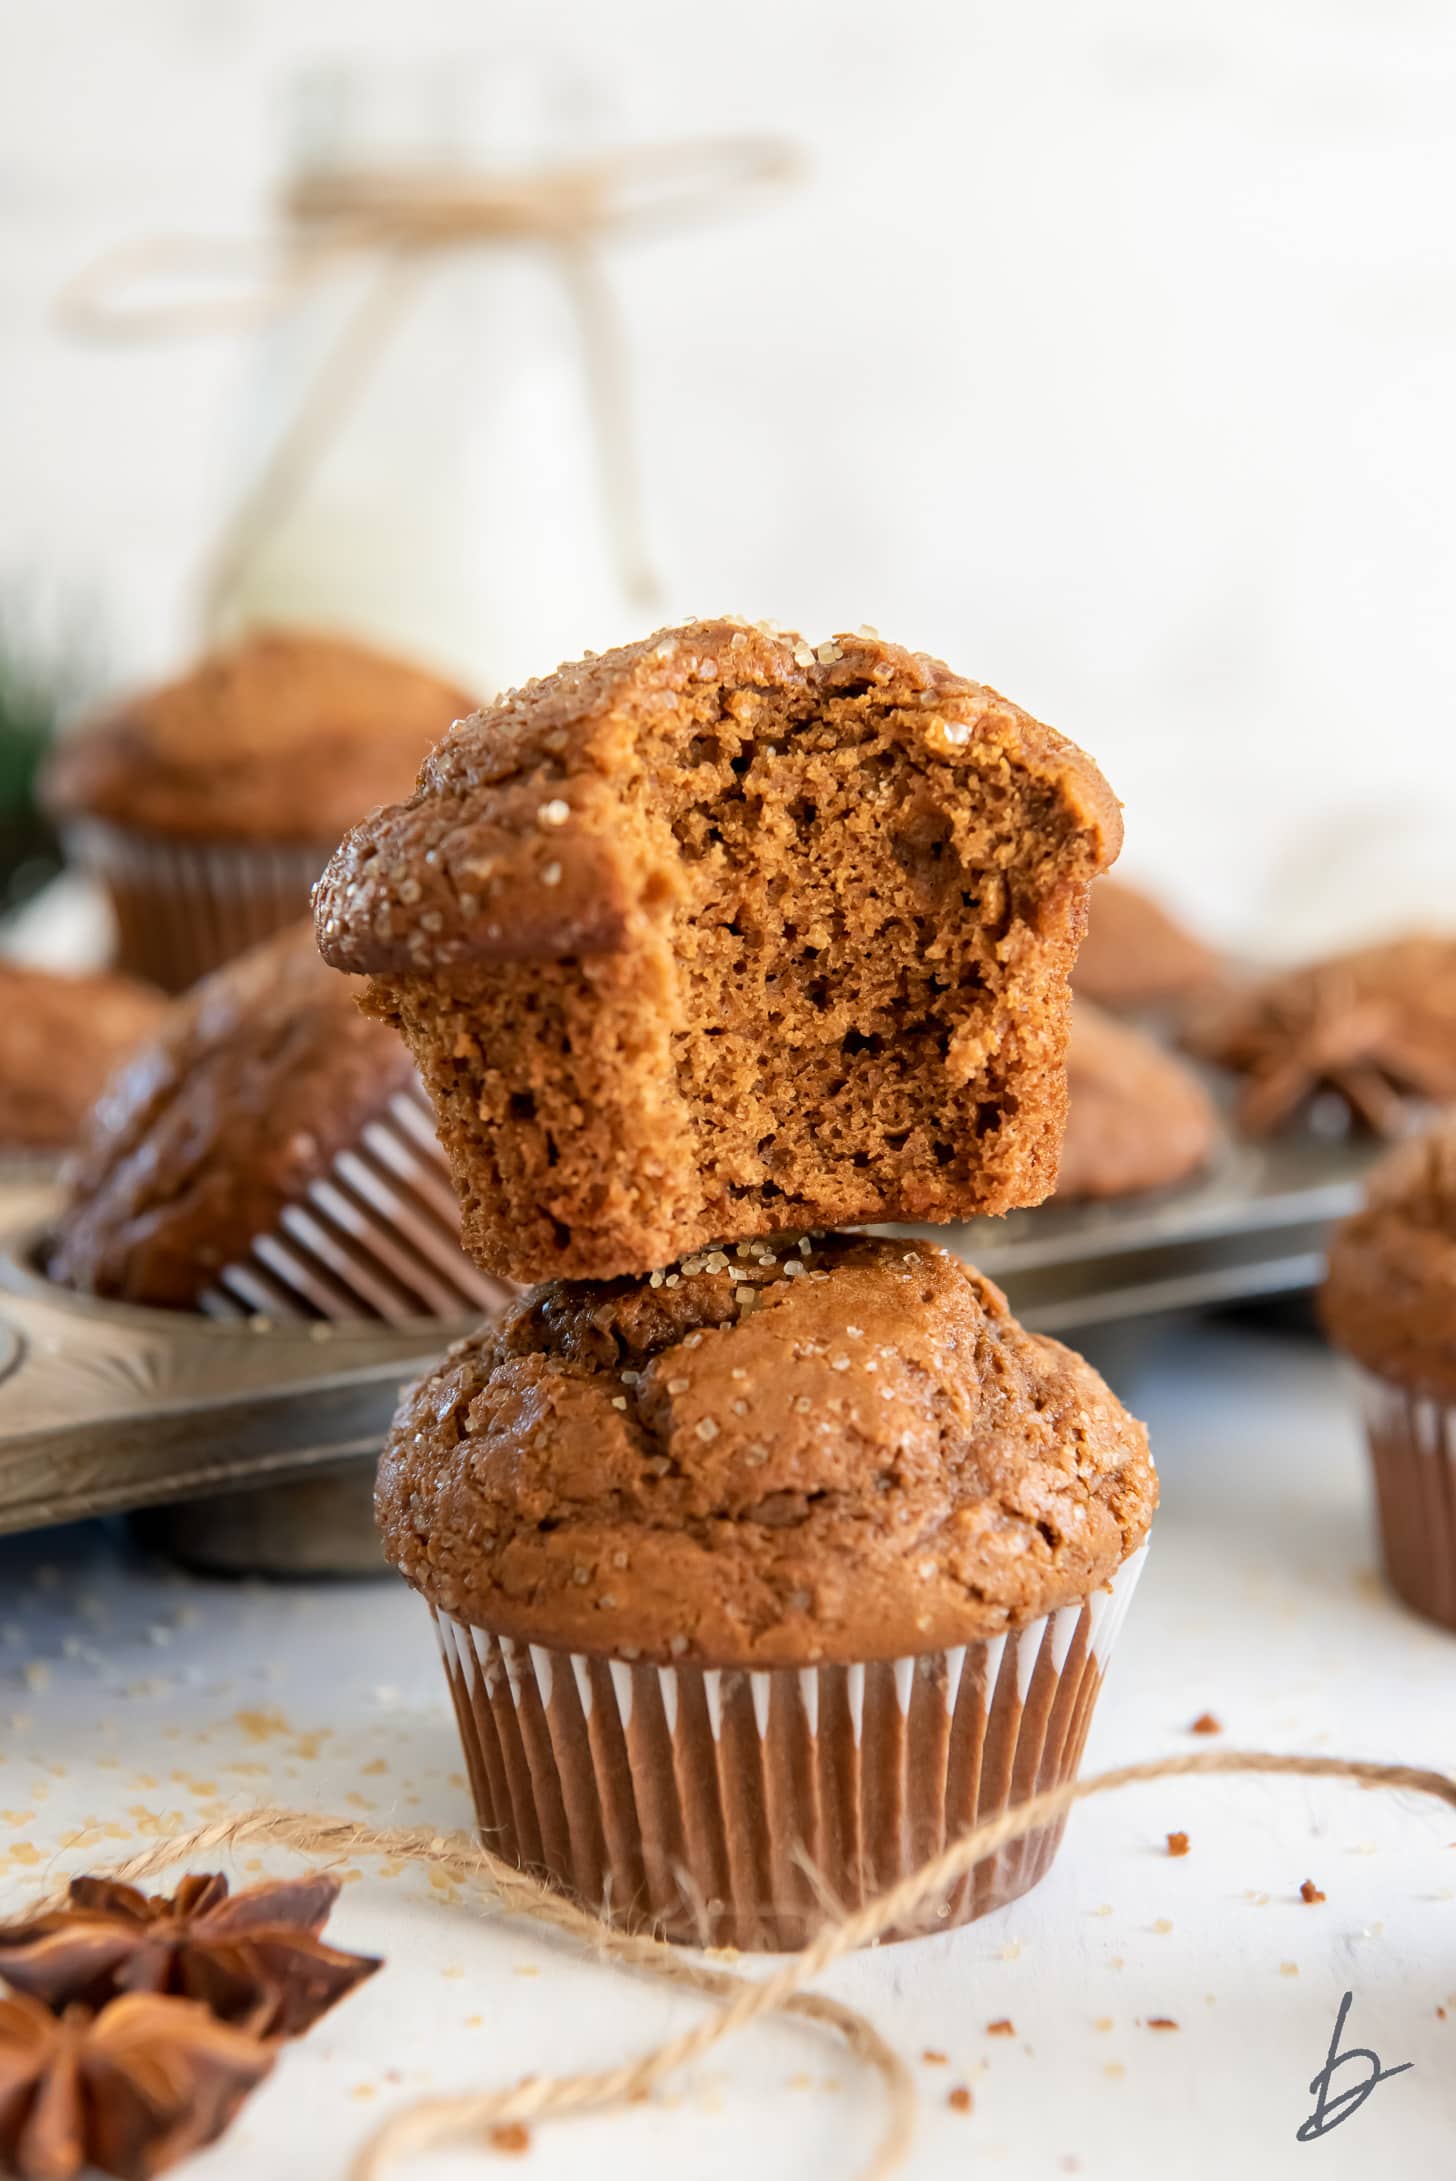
838, 1449
791, 925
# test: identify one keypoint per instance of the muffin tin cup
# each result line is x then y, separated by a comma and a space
1412, 1441
377, 1236
183, 908
746, 1807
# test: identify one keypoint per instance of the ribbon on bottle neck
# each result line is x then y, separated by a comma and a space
404, 219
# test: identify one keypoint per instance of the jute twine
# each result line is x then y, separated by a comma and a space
402, 221
742, 1999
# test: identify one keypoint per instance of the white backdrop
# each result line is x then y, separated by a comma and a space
1109, 351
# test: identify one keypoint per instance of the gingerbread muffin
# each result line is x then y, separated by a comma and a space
1389, 1303
1137, 1118
794, 1550
60, 1038
266, 1152
208, 807
717, 934
1366, 1039
1137, 955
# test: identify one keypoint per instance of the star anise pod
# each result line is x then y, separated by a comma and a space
255, 1959
1377, 1028
130, 2090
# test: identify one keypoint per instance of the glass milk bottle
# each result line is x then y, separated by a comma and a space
432, 409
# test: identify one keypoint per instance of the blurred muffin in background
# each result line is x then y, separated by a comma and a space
268, 1155
1137, 1117
60, 1038
1389, 1303
1136, 955
207, 807
1365, 1039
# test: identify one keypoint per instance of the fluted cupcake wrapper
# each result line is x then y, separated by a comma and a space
183, 908
1413, 1454
377, 1236
742, 1808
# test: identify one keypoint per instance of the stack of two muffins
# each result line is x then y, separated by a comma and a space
764, 1559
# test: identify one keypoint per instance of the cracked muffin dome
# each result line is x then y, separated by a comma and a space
60, 1038
252, 1084
780, 1454
286, 735
718, 935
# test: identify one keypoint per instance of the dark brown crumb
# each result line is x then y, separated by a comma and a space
959, 2100
510, 2135
933, 2059
1309, 1891
1004, 2028
1205, 1723
1177, 1843
712, 936
1440, 2014
1161, 2022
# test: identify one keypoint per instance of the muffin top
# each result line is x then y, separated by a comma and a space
60, 1038
1389, 1297
256, 1079
530, 834
837, 1450
284, 736
1137, 1118
1374, 1029
1136, 954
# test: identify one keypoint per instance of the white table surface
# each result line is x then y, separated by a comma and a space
133, 1698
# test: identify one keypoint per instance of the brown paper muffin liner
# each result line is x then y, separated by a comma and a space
1413, 1453
183, 908
744, 1808
378, 1236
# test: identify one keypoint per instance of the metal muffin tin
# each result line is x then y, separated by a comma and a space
106, 1407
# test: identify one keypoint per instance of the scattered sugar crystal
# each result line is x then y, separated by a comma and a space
678, 1385
828, 653
556, 812
551, 876
706, 1428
